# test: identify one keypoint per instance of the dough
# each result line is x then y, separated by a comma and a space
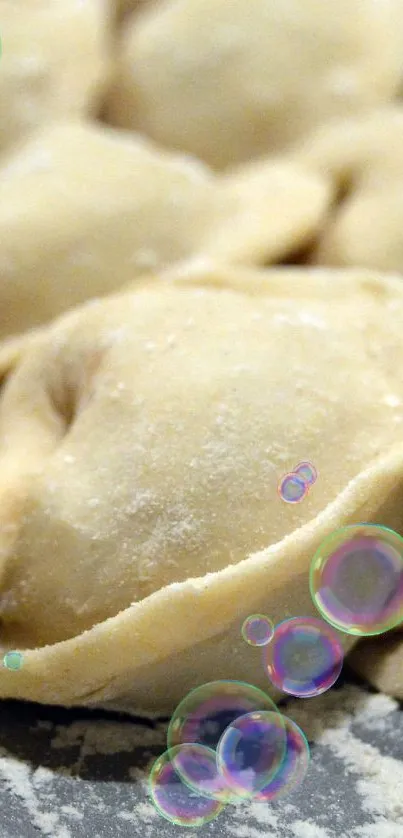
123, 7
380, 661
229, 80
142, 438
54, 62
365, 158
86, 209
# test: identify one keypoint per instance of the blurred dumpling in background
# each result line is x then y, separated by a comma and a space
55, 62
229, 80
364, 157
86, 209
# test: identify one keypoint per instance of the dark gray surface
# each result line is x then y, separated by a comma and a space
352, 789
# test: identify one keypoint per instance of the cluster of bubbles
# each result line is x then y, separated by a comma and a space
227, 740
304, 655
295, 485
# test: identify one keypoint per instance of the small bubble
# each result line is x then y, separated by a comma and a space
13, 660
257, 630
304, 658
292, 488
307, 472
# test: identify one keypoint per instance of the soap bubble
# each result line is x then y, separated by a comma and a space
304, 658
307, 472
251, 752
197, 767
292, 488
173, 799
294, 766
13, 660
204, 714
257, 630
356, 579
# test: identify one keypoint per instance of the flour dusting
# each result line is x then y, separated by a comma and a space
92, 780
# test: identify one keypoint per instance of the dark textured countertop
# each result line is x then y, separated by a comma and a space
77, 774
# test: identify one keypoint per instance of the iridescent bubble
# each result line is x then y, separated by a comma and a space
174, 800
257, 630
356, 579
305, 657
292, 488
197, 767
206, 711
307, 472
294, 766
13, 660
251, 751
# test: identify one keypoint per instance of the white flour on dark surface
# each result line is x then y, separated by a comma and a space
66, 774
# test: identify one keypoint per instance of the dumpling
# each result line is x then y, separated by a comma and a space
365, 158
123, 7
380, 660
54, 64
86, 209
142, 438
229, 80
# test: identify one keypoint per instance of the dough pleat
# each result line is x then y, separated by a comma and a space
364, 156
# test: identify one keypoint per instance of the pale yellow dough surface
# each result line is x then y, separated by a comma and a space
364, 156
55, 62
229, 80
142, 438
86, 209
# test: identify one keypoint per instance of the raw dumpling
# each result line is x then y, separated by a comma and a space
380, 660
86, 209
54, 62
125, 6
142, 438
228, 80
365, 158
